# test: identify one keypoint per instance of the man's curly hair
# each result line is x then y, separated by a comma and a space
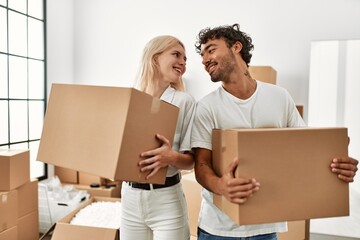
230, 34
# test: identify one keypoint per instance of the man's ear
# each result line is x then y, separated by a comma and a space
236, 47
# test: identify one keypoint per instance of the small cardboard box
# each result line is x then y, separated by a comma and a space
14, 168
263, 73
102, 130
8, 209
65, 230
293, 168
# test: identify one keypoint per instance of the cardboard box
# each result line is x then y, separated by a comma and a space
8, 209
263, 73
66, 175
87, 179
28, 198
101, 191
9, 234
192, 191
300, 108
28, 226
297, 230
14, 168
65, 230
293, 168
102, 130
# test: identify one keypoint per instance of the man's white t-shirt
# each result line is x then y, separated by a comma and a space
269, 107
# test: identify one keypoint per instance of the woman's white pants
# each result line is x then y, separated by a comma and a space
156, 214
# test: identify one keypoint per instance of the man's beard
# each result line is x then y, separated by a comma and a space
224, 69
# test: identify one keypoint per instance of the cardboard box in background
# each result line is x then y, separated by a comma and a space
102, 130
263, 73
297, 230
65, 230
87, 179
66, 175
28, 226
9, 234
14, 168
293, 168
192, 191
300, 108
102, 191
28, 198
8, 209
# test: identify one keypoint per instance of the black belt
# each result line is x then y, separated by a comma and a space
170, 181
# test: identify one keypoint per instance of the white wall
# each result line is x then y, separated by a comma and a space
100, 41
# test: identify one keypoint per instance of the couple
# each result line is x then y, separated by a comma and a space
159, 212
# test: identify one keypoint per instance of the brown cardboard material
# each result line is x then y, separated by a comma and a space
9, 234
101, 191
8, 209
192, 191
66, 175
14, 168
293, 168
28, 198
28, 226
87, 179
297, 230
65, 230
102, 130
263, 73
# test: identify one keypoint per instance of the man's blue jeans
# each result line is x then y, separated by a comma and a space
202, 235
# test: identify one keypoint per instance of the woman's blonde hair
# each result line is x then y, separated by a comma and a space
148, 69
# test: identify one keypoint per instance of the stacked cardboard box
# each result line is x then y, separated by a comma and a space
18, 197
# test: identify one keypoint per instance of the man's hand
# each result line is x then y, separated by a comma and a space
237, 190
345, 168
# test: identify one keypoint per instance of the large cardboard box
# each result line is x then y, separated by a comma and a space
14, 168
8, 209
88, 179
263, 73
192, 191
65, 230
101, 191
28, 198
297, 230
9, 234
67, 175
293, 168
102, 130
28, 226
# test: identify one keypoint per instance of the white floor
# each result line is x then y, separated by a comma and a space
315, 236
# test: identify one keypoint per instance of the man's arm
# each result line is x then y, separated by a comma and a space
236, 190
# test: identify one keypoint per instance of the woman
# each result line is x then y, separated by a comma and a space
151, 211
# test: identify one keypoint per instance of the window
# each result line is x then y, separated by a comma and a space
22, 77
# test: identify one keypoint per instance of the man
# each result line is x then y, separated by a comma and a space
241, 102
